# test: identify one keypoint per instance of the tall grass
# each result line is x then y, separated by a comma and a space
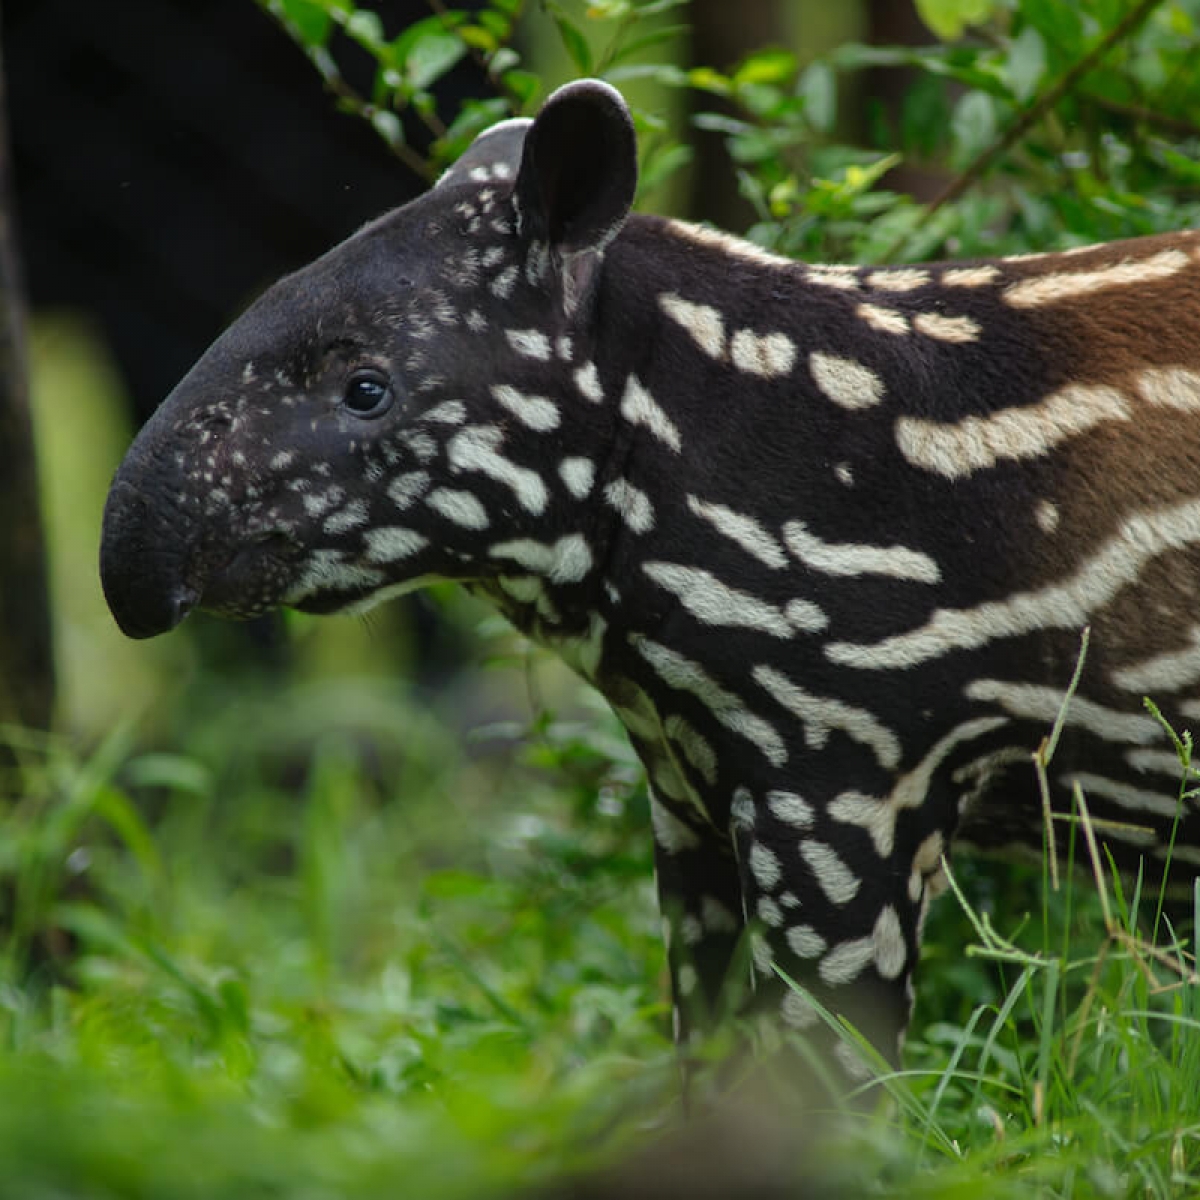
379, 960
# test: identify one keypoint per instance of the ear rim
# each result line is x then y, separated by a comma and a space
593, 99
498, 151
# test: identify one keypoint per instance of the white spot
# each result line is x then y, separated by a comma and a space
833, 558
687, 979
1010, 435
821, 716
1056, 286
764, 866
638, 407
970, 277
449, 412
1068, 603
702, 323
769, 913
690, 930
1046, 516
683, 675
535, 412
475, 449
791, 809
531, 343
805, 616
353, 516
845, 963
885, 320
405, 490
587, 380
702, 235
715, 603
505, 282
463, 508
844, 474
768, 355
632, 504
1128, 798
391, 543
742, 529
717, 918
833, 876
845, 381
797, 1011
834, 275
579, 476
899, 279
566, 561
805, 942
672, 834
947, 329
282, 460
890, 950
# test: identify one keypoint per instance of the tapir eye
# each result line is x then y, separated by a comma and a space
368, 394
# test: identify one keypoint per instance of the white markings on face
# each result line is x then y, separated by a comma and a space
392, 543
833, 877
449, 412
1166, 672
821, 715
850, 559
683, 675
970, 277
567, 560
898, 279
791, 809
702, 323
1042, 704
768, 355
476, 447
505, 282
696, 749
282, 460
638, 407
844, 474
846, 962
672, 834
632, 504
352, 516
715, 603
462, 508
1170, 387
1057, 286
885, 320
1011, 434
587, 380
769, 913
1066, 604
742, 529
535, 412
405, 490
579, 476
531, 343
844, 381
947, 329
421, 444
316, 503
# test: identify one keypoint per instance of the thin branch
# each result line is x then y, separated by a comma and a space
1037, 109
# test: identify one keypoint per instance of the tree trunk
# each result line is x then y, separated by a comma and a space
26, 657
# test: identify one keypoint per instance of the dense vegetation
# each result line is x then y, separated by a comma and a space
355, 939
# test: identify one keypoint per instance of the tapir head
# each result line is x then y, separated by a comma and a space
400, 409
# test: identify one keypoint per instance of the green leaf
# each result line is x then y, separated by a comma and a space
949, 18
309, 20
575, 44
974, 123
1026, 63
817, 88
768, 66
432, 56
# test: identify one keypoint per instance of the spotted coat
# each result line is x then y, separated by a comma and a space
825, 537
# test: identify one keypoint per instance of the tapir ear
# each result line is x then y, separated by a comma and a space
494, 155
578, 171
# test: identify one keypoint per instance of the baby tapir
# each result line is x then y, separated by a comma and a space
825, 537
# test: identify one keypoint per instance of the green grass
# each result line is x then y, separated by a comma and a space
334, 946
